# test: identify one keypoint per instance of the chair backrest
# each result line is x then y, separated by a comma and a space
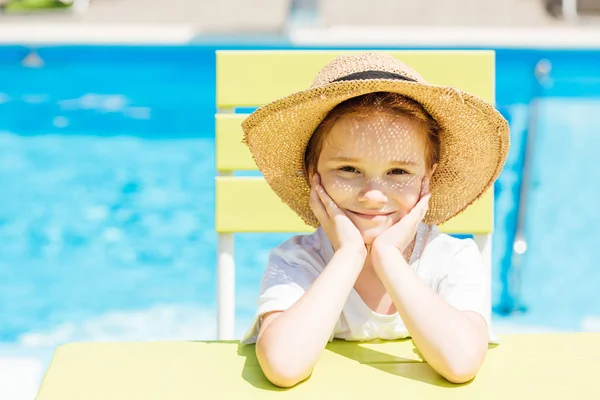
247, 79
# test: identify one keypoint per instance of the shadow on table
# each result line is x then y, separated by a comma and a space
417, 370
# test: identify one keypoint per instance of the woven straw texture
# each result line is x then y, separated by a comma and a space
474, 136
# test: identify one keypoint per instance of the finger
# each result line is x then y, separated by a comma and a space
332, 208
422, 207
422, 204
317, 205
425, 186
408, 225
316, 179
418, 212
416, 215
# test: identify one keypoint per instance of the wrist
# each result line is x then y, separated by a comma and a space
360, 252
380, 248
386, 255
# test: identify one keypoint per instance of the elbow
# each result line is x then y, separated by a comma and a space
280, 369
458, 376
283, 380
282, 374
462, 370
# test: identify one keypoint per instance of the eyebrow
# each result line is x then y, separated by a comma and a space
357, 161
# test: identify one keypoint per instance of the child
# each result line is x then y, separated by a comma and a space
374, 158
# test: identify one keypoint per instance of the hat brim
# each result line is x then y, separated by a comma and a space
474, 142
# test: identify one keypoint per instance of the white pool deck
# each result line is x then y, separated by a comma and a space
563, 36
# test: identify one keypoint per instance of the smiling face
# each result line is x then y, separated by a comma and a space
373, 168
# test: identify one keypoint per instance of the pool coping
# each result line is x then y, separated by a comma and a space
570, 37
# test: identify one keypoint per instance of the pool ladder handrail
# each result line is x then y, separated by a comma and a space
519, 247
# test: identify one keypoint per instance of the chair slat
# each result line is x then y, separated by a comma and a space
247, 204
231, 153
254, 78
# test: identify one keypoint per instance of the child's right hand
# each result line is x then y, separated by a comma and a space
340, 230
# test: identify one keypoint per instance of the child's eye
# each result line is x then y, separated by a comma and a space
398, 171
348, 168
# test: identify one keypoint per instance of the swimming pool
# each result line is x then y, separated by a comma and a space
106, 214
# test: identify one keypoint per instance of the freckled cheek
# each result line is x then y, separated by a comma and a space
341, 192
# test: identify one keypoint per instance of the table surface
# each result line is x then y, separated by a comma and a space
545, 366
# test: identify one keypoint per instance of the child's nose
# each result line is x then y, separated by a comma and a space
372, 195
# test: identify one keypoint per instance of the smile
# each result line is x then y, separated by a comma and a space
370, 216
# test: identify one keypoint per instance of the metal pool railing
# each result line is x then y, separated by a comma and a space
542, 74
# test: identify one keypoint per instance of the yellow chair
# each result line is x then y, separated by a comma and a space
246, 204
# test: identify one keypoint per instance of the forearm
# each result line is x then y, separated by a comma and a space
290, 346
448, 339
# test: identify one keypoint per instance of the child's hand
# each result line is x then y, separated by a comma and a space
402, 233
340, 230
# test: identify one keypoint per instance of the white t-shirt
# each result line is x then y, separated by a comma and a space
453, 268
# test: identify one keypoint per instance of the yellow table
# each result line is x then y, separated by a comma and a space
547, 366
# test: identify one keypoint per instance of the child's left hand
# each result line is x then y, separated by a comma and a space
401, 234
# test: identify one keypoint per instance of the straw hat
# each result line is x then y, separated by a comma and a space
474, 137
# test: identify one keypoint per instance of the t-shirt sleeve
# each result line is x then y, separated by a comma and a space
465, 284
290, 272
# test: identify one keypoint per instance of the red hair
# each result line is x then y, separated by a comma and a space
383, 102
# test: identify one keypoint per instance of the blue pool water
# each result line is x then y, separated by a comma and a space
107, 196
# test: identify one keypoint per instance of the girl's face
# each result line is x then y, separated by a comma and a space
373, 169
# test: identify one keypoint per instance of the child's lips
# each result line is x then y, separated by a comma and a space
371, 215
